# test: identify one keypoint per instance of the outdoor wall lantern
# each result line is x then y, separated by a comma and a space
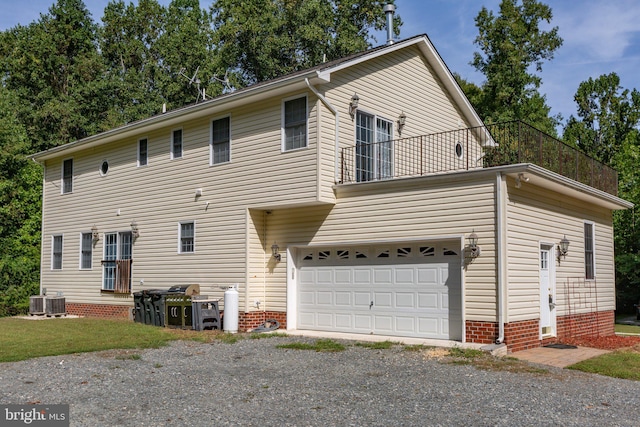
474, 249
94, 234
275, 251
563, 248
134, 229
353, 105
401, 121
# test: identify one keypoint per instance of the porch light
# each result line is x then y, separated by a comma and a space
474, 249
353, 105
401, 121
563, 248
95, 236
275, 251
135, 233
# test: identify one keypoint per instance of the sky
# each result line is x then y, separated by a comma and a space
600, 37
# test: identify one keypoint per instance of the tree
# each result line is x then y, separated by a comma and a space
262, 39
513, 48
607, 129
20, 193
54, 67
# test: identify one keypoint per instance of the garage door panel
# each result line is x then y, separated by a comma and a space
383, 324
427, 300
324, 298
343, 298
404, 276
414, 293
361, 299
405, 300
382, 276
383, 300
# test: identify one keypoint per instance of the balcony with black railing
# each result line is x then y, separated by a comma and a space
473, 148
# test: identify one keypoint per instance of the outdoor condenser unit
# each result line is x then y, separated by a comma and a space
36, 304
55, 306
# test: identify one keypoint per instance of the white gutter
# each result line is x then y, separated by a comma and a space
326, 102
500, 256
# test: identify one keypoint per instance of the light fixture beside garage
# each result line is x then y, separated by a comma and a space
135, 232
353, 105
95, 236
275, 252
474, 249
402, 119
563, 248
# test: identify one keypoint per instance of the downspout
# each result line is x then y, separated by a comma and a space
44, 174
500, 257
326, 102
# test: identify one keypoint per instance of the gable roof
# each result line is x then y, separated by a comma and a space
316, 75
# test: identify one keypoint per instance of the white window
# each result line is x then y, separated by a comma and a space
56, 252
142, 152
589, 251
116, 262
221, 141
187, 237
67, 176
86, 251
374, 147
294, 124
176, 144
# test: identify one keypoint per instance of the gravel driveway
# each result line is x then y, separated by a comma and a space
254, 383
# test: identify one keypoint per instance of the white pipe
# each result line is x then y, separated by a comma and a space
500, 255
326, 102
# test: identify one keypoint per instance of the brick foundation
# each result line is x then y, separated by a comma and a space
254, 319
99, 310
525, 334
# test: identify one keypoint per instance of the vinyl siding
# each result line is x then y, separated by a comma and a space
160, 195
536, 216
371, 214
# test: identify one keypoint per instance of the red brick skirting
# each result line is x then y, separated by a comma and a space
254, 319
99, 310
525, 334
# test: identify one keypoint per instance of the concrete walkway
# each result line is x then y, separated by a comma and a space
558, 357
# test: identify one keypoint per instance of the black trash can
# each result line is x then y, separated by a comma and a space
158, 303
138, 307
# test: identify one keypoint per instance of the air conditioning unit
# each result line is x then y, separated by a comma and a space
55, 306
36, 305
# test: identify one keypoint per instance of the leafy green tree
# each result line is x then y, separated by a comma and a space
607, 129
262, 39
54, 67
20, 194
513, 48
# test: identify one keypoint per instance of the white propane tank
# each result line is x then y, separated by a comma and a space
230, 315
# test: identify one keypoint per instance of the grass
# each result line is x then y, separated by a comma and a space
24, 339
323, 345
627, 329
382, 345
485, 361
618, 364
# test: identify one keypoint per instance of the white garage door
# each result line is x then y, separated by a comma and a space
409, 290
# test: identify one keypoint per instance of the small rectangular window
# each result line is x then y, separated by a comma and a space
67, 176
176, 144
56, 253
220, 141
86, 251
142, 152
187, 237
295, 123
589, 252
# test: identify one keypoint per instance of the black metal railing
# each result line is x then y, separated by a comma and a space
466, 149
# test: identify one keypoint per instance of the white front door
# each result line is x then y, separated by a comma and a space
547, 292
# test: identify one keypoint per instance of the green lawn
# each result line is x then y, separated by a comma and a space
618, 364
627, 329
24, 339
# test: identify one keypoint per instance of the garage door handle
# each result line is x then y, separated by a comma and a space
370, 305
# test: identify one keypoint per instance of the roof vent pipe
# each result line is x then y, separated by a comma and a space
389, 10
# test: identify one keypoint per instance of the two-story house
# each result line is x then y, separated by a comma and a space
363, 195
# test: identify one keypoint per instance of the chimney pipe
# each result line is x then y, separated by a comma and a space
389, 10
